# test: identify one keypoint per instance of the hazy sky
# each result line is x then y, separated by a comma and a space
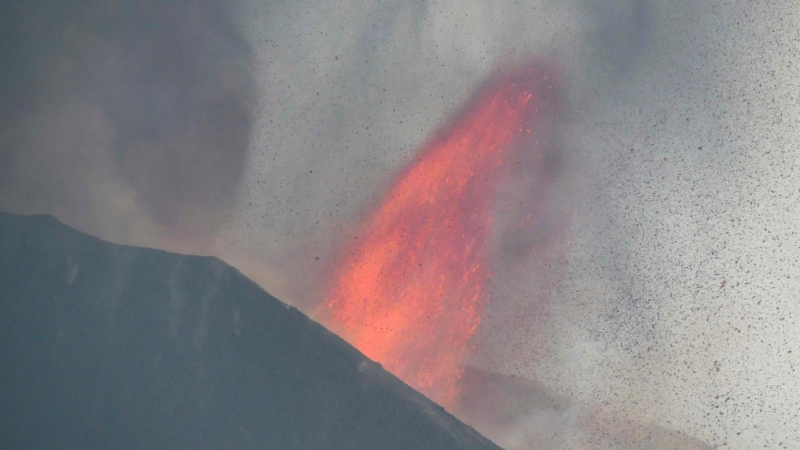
261, 131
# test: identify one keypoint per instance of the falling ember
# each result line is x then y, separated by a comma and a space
409, 289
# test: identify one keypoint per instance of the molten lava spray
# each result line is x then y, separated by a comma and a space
409, 289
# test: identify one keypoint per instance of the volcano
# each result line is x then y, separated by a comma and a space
107, 346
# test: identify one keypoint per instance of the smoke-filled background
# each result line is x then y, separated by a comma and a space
262, 132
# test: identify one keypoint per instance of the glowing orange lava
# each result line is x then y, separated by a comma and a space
408, 291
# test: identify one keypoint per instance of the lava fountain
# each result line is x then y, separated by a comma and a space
409, 287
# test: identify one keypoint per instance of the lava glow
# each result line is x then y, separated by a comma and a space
409, 288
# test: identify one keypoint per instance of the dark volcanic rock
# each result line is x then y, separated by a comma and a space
105, 346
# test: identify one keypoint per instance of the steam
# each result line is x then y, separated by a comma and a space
260, 132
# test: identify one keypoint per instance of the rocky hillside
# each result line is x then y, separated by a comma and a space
105, 346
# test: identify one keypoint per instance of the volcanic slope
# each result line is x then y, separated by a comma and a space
105, 346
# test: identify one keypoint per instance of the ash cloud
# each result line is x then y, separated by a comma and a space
658, 114
677, 170
117, 113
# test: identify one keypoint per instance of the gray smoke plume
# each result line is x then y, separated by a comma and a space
125, 112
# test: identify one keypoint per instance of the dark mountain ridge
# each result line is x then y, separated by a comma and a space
106, 346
